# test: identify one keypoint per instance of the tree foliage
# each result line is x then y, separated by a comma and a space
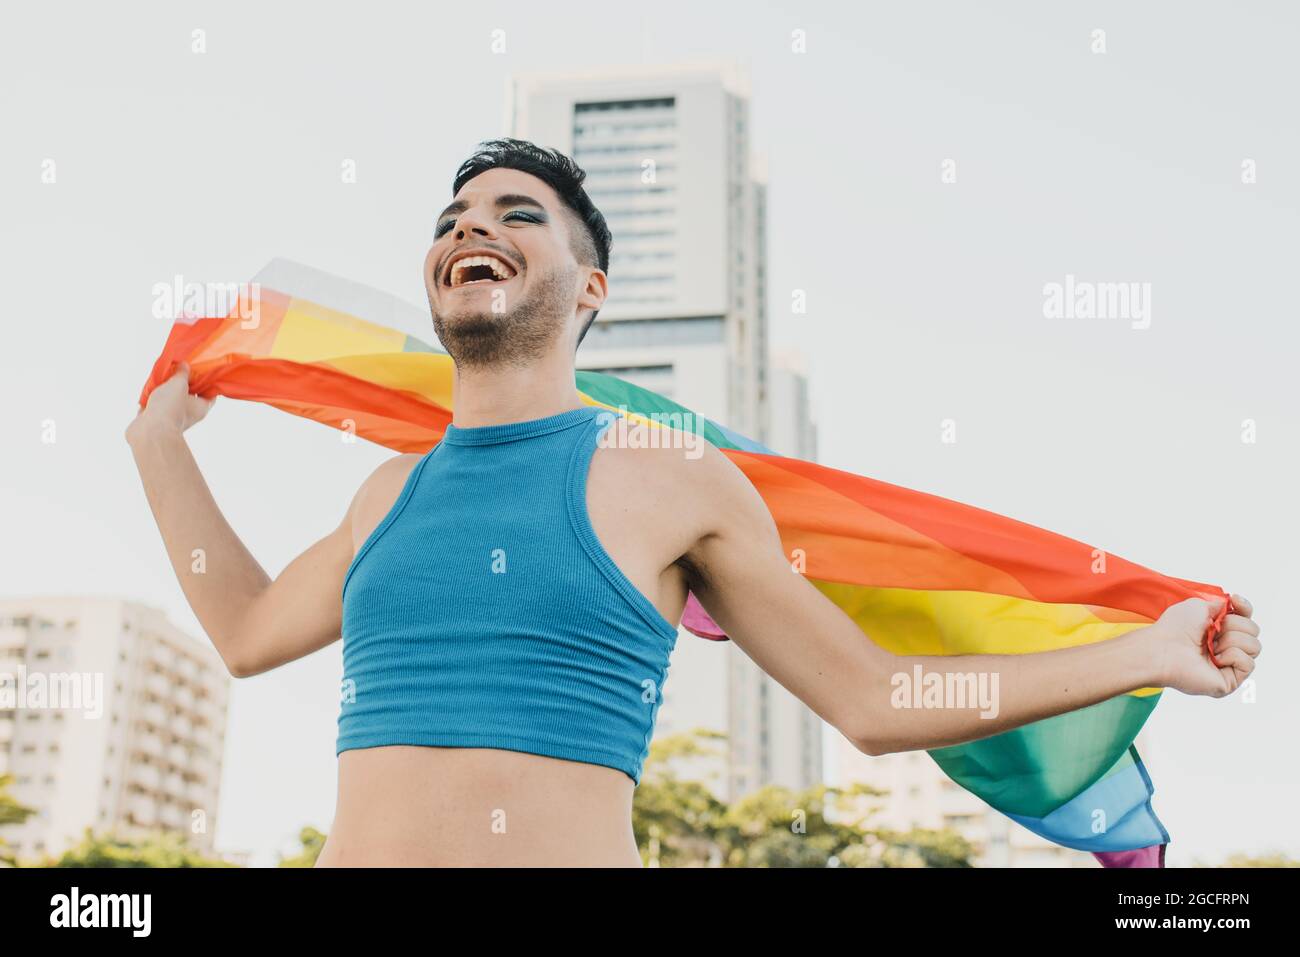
157, 849
311, 841
11, 812
680, 823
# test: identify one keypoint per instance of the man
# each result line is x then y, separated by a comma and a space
508, 601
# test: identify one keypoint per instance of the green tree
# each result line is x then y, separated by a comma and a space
312, 841
675, 821
919, 847
158, 849
681, 824
778, 827
11, 812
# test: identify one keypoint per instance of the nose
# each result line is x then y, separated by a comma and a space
472, 223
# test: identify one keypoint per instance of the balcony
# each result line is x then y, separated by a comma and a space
145, 775
155, 714
162, 656
212, 740
214, 710
217, 684
149, 744
157, 684
142, 810
187, 668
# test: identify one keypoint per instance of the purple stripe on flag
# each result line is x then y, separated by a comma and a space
1153, 856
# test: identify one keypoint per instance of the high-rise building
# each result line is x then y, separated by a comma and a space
111, 718
667, 153
780, 739
667, 156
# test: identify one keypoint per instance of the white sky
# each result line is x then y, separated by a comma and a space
925, 299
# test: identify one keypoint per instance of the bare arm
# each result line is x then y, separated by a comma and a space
804, 641
254, 622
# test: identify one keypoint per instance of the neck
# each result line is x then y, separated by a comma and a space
495, 395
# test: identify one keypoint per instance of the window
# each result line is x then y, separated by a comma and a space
630, 191
660, 102
625, 333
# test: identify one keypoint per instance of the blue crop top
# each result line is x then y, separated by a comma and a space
483, 612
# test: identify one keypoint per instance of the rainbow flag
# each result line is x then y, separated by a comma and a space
919, 574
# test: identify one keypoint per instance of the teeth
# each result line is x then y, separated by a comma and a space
500, 269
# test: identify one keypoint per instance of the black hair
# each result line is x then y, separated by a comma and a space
591, 241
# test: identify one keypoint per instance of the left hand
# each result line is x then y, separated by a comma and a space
1180, 633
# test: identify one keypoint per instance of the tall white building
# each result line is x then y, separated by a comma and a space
110, 718
667, 156
778, 739
666, 153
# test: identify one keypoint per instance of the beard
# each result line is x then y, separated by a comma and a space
517, 336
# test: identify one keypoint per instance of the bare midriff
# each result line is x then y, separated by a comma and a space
404, 806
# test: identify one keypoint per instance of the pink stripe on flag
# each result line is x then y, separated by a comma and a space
697, 621
1153, 856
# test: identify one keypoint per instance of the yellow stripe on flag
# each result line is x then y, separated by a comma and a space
918, 622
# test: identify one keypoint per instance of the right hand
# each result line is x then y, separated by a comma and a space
1187, 667
171, 406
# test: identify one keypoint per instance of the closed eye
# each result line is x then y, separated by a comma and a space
519, 212
445, 226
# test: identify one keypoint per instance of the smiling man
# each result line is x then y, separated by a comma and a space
508, 601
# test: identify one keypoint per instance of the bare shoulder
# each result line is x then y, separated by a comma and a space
675, 478
661, 463
377, 495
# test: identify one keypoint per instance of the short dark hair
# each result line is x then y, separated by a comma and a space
591, 239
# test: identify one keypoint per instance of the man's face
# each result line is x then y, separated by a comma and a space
520, 299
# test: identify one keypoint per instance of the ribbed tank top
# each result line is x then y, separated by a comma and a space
484, 612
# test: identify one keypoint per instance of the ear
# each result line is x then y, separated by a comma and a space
594, 292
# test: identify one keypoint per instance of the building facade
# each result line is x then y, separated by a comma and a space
111, 718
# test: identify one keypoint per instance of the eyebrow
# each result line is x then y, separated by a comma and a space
505, 199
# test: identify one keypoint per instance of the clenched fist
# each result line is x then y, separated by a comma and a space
170, 407
1180, 636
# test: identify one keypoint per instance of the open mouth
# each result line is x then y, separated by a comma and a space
478, 270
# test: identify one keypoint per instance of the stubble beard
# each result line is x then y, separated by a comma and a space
520, 334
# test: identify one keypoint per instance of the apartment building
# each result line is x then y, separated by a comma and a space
111, 718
